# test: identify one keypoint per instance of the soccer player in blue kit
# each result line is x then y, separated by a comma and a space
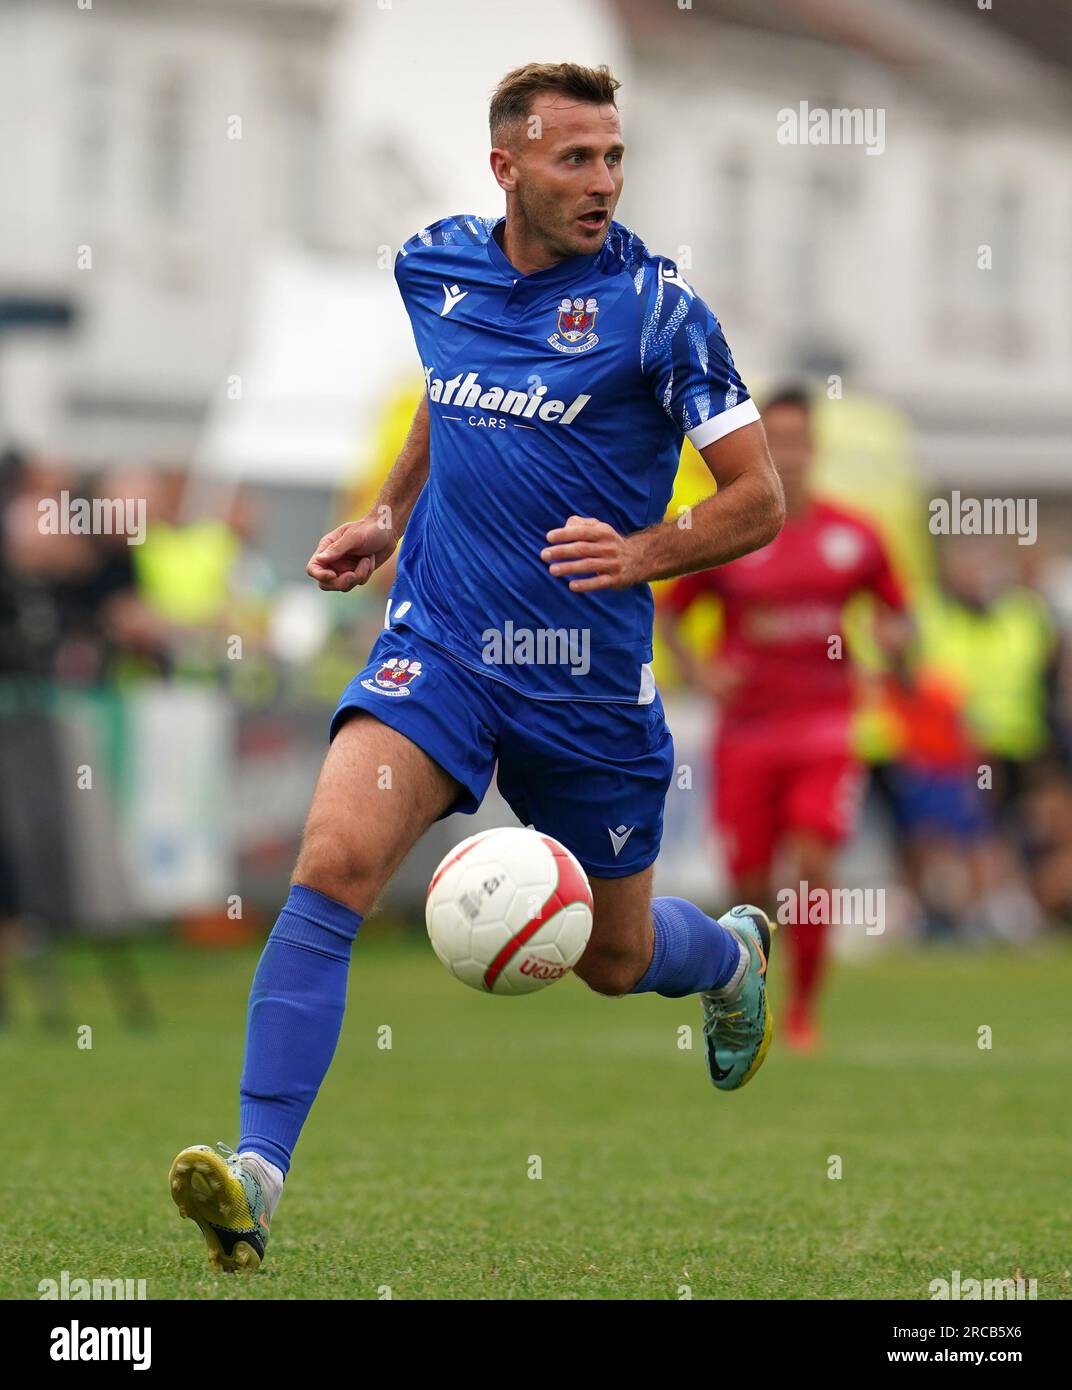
564, 363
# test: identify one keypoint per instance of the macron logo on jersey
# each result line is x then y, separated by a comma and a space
473, 394
452, 294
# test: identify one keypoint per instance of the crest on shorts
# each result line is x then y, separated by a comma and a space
575, 324
394, 677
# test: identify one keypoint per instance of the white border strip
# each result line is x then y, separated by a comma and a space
725, 423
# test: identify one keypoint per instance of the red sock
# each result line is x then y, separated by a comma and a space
807, 949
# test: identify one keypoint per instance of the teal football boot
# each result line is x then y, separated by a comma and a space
738, 1026
226, 1200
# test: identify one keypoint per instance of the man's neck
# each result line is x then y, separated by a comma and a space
526, 254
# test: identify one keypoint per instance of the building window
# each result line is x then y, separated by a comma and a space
300, 174
733, 240
92, 92
980, 305
168, 148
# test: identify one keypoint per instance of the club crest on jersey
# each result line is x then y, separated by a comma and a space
394, 677
576, 320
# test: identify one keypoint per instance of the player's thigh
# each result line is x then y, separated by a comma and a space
413, 739
377, 793
593, 776
822, 806
619, 949
747, 806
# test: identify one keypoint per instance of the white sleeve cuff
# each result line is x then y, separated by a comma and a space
725, 423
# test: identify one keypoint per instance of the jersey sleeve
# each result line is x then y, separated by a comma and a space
881, 579
687, 361
462, 229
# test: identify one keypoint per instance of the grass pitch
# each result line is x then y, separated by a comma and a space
414, 1174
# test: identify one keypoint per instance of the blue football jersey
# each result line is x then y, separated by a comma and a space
564, 392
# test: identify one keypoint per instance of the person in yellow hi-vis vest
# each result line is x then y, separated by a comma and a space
184, 571
995, 641
984, 648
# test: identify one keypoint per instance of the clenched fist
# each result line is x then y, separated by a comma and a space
351, 554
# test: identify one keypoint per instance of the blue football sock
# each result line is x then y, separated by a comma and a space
296, 1006
692, 952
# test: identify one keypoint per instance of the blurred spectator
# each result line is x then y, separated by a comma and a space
995, 640
69, 601
1049, 831
972, 737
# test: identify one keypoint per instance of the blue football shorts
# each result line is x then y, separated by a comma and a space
938, 802
592, 775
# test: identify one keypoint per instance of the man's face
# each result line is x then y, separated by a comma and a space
565, 169
790, 441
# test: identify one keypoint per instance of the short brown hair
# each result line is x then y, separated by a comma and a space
512, 99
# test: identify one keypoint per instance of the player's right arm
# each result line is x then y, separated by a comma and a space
351, 554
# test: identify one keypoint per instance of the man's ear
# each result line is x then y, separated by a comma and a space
504, 169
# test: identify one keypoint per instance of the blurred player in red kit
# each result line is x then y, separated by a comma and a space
787, 782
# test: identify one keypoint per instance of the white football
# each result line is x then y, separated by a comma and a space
509, 911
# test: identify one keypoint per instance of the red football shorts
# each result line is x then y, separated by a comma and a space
774, 777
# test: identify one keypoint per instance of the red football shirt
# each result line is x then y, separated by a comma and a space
784, 603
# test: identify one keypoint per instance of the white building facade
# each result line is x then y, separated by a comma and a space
163, 152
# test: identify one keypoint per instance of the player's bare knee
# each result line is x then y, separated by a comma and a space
337, 869
611, 973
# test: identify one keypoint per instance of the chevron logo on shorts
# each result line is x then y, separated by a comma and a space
619, 837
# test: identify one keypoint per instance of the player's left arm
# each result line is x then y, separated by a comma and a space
688, 367
744, 514
893, 626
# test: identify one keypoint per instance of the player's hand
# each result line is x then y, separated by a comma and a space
585, 546
350, 555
